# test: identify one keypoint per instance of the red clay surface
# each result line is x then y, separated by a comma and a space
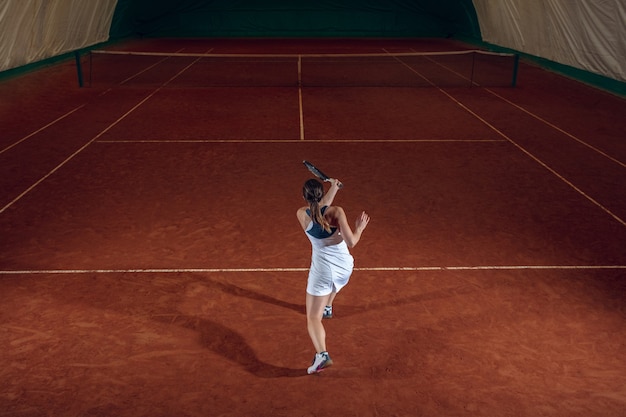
151, 263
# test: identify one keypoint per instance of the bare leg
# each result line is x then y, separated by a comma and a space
314, 309
331, 298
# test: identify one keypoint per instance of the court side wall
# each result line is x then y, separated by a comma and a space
35, 30
586, 35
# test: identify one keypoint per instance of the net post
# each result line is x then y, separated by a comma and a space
90, 67
472, 72
79, 68
515, 66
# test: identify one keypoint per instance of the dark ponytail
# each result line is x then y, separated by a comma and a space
313, 191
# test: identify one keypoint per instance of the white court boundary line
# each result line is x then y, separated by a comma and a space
41, 129
94, 139
265, 270
537, 160
492, 127
300, 140
558, 129
527, 152
69, 158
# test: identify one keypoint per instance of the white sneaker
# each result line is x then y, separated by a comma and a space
320, 361
328, 312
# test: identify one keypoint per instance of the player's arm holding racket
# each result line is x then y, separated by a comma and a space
329, 196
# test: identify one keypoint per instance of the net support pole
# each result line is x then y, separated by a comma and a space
515, 66
472, 72
79, 68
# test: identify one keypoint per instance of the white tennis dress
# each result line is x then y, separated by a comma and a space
331, 261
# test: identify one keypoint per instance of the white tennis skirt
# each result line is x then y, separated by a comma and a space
329, 273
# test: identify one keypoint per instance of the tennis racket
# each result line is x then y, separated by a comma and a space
319, 174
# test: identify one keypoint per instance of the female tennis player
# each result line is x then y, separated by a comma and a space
327, 228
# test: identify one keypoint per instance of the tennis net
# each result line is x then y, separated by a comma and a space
470, 68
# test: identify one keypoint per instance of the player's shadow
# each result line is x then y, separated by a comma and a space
252, 295
230, 345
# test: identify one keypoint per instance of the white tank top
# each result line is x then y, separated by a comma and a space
323, 242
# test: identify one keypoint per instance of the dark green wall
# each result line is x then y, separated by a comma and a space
295, 18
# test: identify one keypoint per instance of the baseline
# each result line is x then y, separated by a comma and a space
303, 269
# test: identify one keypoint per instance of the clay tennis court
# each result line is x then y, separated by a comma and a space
151, 263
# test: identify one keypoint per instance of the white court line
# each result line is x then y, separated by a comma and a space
43, 128
571, 136
536, 159
266, 270
528, 153
300, 140
62, 117
82, 148
69, 158
57, 120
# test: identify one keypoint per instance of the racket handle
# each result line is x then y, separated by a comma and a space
340, 186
